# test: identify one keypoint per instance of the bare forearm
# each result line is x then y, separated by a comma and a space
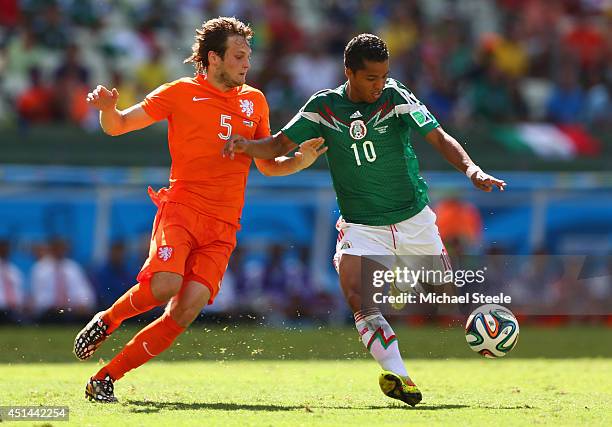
266, 148
111, 121
454, 153
280, 166
308, 152
117, 122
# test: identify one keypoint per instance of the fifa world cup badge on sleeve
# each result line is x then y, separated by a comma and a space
421, 116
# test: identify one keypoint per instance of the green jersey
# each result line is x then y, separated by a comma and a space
373, 166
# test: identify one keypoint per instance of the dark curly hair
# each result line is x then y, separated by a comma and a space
364, 47
213, 37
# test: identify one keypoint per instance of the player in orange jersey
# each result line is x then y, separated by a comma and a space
198, 215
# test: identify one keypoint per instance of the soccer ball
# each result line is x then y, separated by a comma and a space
492, 330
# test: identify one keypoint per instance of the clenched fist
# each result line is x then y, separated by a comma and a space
103, 99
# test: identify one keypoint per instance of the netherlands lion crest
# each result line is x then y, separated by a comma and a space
247, 107
358, 129
165, 252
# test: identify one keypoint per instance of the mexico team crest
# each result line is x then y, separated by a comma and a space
358, 129
165, 252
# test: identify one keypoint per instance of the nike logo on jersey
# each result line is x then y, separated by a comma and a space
355, 115
196, 99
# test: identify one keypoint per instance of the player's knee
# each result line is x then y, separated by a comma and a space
184, 315
353, 299
351, 287
164, 285
351, 282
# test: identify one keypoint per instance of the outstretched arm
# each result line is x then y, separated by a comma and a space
116, 122
308, 152
270, 147
454, 153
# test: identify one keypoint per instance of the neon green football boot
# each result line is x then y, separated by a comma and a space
399, 388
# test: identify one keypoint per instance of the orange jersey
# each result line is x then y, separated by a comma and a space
200, 120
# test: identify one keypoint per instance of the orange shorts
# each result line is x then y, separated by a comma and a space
196, 246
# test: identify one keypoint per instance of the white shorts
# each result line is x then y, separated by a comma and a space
414, 243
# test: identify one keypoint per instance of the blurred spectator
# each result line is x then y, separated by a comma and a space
154, 72
275, 275
597, 102
304, 298
128, 94
51, 26
457, 58
70, 88
10, 13
497, 273
261, 284
300, 293
531, 282
59, 286
72, 66
35, 104
281, 96
509, 54
112, 279
236, 271
566, 103
23, 53
226, 301
284, 33
570, 294
248, 270
585, 43
435, 49
492, 96
439, 96
599, 285
401, 31
12, 292
432, 47
86, 13
459, 221
314, 62
297, 275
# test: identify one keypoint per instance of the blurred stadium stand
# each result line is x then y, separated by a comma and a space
525, 84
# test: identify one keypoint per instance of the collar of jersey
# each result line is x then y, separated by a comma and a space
345, 96
203, 80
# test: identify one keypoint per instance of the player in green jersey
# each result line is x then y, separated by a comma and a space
365, 128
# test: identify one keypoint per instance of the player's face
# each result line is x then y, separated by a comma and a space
367, 83
233, 68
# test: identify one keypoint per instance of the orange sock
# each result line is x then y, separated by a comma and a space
146, 344
136, 300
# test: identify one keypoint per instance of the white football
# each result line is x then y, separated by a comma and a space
492, 330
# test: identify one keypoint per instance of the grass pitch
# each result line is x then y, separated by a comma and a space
255, 383
326, 393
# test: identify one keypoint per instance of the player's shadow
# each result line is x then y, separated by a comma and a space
151, 407
144, 407
421, 407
